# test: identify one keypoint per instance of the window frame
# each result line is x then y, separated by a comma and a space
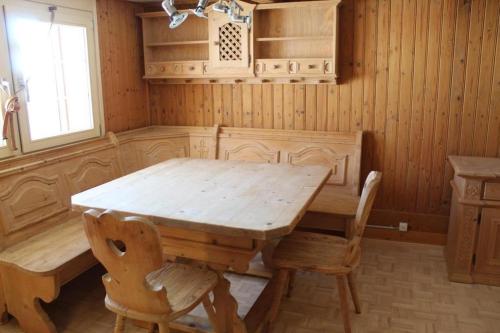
6, 74
83, 15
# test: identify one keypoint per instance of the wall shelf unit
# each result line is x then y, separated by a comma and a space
287, 42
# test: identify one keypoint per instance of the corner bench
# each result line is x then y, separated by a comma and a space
42, 243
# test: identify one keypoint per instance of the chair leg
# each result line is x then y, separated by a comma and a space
279, 289
119, 324
212, 317
291, 283
163, 328
344, 305
354, 292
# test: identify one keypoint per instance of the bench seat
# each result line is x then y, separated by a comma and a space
48, 252
341, 204
37, 267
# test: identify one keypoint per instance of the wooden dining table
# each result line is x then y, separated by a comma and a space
221, 213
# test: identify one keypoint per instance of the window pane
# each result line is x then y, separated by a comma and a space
53, 60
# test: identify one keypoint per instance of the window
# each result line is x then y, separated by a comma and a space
54, 66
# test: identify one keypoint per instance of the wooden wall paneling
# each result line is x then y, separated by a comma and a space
299, 103
208, 103
321, 107
430, 100
257, 109
358, 66
381, 88
369, 76
418, 90
246, 101
237, 105
472, 75
393, 92
346, 63
227, 102
333, 107
200, 108
421, 78
267, 106
489, 41
310, 107
124, 91
457, 90
405, 101
443, 104
278, 106
288, 106
493, 140
218, 105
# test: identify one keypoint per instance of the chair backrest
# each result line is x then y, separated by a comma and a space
130, 249
368, 195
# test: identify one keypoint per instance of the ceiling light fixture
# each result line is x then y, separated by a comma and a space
176, 17
200, 9
229, 7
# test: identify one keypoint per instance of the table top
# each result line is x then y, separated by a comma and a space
235, 198
471, 166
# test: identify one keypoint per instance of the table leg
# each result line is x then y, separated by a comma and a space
226, 308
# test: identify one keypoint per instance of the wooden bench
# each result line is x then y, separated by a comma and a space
43, 243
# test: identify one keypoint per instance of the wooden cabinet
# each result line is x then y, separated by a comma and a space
230, 43
473, 246
286, 42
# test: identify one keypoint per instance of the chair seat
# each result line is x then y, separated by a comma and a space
335, 203
186, 285
307, 251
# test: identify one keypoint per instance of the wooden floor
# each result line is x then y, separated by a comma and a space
403, 288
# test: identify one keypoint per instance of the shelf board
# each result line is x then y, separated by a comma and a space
274, 39
185, 42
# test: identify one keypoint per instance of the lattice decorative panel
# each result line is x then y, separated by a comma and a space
230, 42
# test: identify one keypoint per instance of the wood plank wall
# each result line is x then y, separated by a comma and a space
422, 78
122, 67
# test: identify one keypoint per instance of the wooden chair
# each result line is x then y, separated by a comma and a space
307, 251
138, 284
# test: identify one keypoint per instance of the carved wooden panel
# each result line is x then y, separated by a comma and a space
488, 248
31, 199
250, 151
91, 172
230, 42
129, 157
317, 155
158, 151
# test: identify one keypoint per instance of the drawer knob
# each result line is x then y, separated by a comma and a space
311, 66
276, 66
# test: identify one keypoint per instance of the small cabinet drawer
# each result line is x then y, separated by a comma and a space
272, 66
156, 69
193, 68
491, 191
307, 66
174, 69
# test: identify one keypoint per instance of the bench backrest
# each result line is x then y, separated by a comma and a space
340, 151
35, 190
